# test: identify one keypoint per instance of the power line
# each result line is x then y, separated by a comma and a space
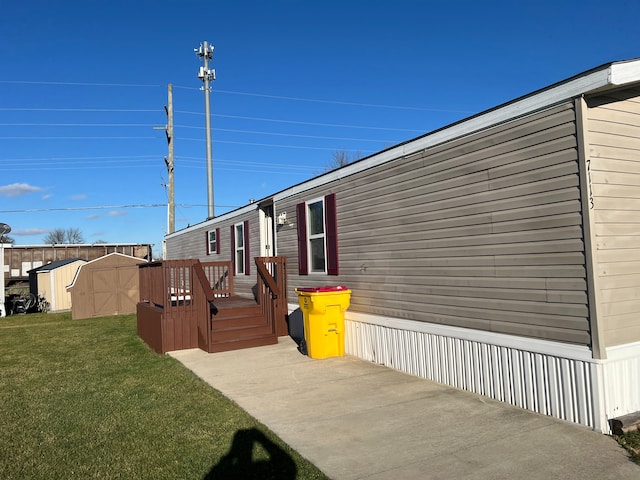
110, 207
79, 138
230, 92
116, 110
335, 102
241, 162
149, 125
256, 132
137, 125
142, 161
296, 122
276, 146
81, 84
124, 157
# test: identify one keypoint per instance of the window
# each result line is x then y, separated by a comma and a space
315, 230
317, 236
240, 248
239, 254
213, 241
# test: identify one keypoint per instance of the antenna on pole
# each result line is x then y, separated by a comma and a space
205, 52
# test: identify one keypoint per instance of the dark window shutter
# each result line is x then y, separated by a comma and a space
206, 234
233, 248
247, 254
218, 241
331, 232
301, 221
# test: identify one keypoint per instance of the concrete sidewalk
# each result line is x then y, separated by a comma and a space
357, 420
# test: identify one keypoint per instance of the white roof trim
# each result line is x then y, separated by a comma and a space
75, 245
623, 73
216, 220
608, 76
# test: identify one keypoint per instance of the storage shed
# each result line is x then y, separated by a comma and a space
106, 286
50, 281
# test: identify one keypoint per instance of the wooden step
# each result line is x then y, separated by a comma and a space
218, 325
244, 311
238, 344
241, 333
238, 324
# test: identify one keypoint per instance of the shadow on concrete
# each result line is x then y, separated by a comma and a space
240, 464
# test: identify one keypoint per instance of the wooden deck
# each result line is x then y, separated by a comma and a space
188, 304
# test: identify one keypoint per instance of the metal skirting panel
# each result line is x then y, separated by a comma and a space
621, 380
541, 382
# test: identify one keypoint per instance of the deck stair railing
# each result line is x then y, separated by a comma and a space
272, 291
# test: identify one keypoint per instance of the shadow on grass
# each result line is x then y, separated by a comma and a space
239, 462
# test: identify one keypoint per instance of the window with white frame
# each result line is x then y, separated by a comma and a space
316, 237
239, 248
212, 242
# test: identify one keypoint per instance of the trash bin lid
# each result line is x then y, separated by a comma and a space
328, 288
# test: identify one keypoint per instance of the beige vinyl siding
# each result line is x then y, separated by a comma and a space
191, 245
481, 232
194, 245
613, 155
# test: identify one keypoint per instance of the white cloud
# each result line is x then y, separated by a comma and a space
17, 189
30, 231
93, 216
80, 196
116, 213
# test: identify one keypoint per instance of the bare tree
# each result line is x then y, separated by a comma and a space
60, 236
342, 158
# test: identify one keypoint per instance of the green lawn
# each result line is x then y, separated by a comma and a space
88, 399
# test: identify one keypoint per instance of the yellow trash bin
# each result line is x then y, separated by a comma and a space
323, 310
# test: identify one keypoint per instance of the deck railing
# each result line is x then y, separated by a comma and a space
220, 277
272, 291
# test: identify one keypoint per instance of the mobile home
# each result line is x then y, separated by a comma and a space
499, 254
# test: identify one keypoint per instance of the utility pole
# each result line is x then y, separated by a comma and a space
168, 160
205, 52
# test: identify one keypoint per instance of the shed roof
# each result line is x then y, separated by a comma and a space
112, 259
56, 264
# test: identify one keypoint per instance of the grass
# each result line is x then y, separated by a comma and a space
88, 399
631, 442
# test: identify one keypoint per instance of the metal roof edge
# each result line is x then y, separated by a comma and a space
213, 221
74, 245
55, 264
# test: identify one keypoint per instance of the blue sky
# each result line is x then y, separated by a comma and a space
82, 83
